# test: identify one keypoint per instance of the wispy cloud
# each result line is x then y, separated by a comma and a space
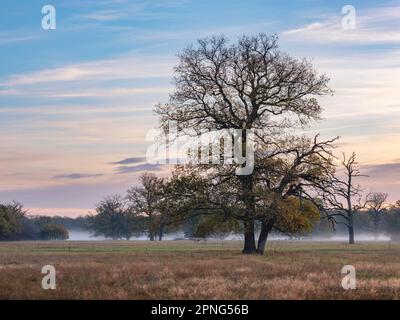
140, 165
114, 10
7, 37
76, 176
84, 93
104, 15
139, 168
113, 78
130, 160
113, 69
384, 170
373, 26
383, 177
365, 85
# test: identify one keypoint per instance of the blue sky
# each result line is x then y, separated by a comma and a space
77, 100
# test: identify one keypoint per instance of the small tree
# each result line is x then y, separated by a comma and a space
113, 219
146, 202
339, 194
376, 203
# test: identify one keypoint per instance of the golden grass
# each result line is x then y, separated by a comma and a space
187, 270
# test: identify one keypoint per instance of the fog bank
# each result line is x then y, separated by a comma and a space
82, 235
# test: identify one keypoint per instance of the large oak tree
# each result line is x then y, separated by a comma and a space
249, 84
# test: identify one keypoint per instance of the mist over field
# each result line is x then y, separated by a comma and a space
82, 235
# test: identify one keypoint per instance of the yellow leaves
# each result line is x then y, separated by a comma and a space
296, 215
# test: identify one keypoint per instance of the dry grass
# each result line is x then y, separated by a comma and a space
185, 270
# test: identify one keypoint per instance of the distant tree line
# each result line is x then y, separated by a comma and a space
15, 224
116, 218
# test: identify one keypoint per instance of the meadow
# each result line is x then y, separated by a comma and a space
203, 270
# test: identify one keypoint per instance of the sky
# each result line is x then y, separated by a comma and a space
76, 102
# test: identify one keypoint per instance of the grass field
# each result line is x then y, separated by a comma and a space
188, 270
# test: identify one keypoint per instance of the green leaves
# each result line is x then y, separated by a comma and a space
11, 216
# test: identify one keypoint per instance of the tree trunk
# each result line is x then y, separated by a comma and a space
249, 239
248, 200
351, 235
351, 229
160, 232
151, 236
263, 237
